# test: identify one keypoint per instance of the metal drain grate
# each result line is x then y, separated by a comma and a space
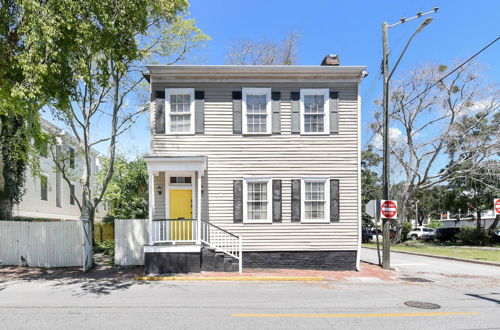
415, 279
423, 305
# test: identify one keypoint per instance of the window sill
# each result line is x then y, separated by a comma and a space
315, 221
177, 134
315, 134
257, 221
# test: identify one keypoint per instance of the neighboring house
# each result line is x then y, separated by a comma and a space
467, 220
48, 195
269, 154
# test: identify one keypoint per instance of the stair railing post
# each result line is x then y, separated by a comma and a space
241, 255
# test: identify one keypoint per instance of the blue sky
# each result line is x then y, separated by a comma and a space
351, 29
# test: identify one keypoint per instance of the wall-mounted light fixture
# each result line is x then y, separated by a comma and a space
159, 190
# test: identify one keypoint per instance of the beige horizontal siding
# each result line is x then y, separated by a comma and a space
283, 156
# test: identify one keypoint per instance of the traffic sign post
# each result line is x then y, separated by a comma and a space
388, 212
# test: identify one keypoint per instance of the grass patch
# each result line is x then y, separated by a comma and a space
445, 249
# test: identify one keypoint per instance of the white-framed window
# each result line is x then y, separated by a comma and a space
315, 200
257, 202
179, 110
44, 187
256, 110
314, 111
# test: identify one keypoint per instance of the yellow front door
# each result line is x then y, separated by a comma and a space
180, 205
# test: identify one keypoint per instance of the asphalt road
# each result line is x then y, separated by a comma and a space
466, 303
419, 264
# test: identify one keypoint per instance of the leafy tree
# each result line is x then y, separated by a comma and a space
370, 182
127, 193
477, 190
437, 125
264, 52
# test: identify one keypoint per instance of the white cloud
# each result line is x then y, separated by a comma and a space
395, 136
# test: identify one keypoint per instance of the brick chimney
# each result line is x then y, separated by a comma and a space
331, 60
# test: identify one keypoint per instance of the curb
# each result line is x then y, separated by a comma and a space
489, 263
229, 279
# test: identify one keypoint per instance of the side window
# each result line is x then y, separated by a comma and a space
257, 203
315, 200
43, 188
72, 194
257, 111
71, 157
314, 111
179, 111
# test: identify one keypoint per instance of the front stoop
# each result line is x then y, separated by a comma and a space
192, 258
213, 261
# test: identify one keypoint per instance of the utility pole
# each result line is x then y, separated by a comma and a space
386, 259
386, 248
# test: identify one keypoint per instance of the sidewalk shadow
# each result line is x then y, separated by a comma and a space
102, 279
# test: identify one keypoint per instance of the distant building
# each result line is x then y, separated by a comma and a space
449, 219
48, 195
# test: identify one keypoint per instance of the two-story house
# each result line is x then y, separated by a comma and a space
259, 159
47, 195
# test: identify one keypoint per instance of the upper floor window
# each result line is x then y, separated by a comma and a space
71, 157
44, 188
314, 111
315, 199
256, 110
72, 194
179, 110
256, 200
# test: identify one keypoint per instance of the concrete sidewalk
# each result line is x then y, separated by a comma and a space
368, 273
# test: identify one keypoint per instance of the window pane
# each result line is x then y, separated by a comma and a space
314, 123
257, 123
256, 113
314, 204
256, 103
257, 200
314, 103
180, 103
180, 123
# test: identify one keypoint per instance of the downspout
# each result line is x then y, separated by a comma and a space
358, 254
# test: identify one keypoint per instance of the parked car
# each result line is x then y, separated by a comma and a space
419, 232
429, 236
392, 233
447, 234
366, 235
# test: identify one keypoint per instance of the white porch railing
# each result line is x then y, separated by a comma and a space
174, 230
222, 241
185, 230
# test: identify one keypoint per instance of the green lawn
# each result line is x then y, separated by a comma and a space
445, 249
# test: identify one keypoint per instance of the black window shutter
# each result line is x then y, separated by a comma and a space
296, 200
277, 201
334, 112
237, 112
334, 201
199, 112
159, 112
237, 201
276, 112
295, 105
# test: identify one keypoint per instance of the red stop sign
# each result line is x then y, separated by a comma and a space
497, 206
389, 209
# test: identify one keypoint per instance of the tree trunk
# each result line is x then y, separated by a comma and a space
2, 180
5, 209
495, 222
478, 213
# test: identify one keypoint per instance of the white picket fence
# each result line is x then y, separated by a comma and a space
130, 237
41, 244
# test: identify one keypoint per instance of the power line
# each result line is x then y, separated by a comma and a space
452, 71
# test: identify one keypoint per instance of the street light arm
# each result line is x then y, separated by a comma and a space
401, 56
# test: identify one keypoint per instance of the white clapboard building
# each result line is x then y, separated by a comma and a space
254, 165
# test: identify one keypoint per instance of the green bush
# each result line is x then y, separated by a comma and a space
407, 228
435, 224
107, 247
473, 236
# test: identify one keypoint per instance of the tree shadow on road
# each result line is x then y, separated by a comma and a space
103, 279
483, 296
